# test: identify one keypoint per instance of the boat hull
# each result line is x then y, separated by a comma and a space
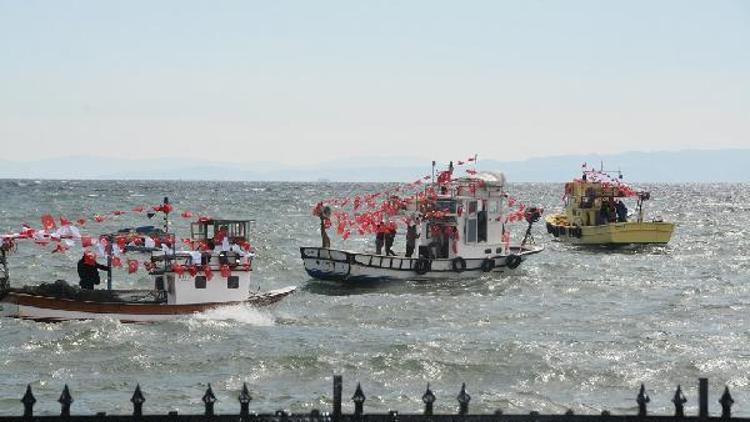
628, 233
53, 309
347, 266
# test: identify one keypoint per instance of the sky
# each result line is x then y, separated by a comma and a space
301, 82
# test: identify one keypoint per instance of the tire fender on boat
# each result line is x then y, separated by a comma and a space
422, 266
459, 264
488, 265
512, 261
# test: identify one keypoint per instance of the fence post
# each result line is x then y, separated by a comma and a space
726, 402
208, 400
428, 399
337, 383
28, 401
703, 397
137, 401
65, 401
679, 401
359, 399
463, 400
643, 399
245, 399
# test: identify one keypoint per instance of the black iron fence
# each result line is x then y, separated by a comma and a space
359, 399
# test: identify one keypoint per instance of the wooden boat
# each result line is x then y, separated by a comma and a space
179, 288
590, 215
461, 235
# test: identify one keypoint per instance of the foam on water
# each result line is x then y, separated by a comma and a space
244, 314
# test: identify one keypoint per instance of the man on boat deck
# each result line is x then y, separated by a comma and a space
622, 212
411, 238
390, 237
379, 238
88, 271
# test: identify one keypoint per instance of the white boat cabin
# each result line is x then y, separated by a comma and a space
221, 266
466, 220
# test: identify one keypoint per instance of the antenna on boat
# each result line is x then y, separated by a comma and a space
433, 172
166, 216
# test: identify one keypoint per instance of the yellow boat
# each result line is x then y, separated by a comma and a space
594, 214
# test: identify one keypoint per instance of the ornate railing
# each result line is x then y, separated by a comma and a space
358, 398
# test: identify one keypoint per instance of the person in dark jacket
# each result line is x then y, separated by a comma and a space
390, 236
379, 238
411, 239
622, 212
88, 271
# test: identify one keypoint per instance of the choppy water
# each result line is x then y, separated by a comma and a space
574, 328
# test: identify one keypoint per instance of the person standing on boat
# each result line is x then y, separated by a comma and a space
390, 236
88, 271
379, 238
411, 238
622, 211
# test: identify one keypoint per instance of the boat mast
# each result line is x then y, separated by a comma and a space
109, 262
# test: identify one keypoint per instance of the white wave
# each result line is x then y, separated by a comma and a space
244, 314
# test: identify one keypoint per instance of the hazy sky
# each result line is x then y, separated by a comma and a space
307, 81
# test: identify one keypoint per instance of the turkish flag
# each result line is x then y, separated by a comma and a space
48, 222
132, 266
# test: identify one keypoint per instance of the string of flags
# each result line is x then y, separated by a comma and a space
68, 234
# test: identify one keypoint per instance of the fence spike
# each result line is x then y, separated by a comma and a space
28, 401
65, 401
359, 399
643, 399
679, 401
245, 399
138, 399
463, 400
726, 402
428, 398
208, 400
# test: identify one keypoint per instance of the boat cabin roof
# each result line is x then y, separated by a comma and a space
207, 229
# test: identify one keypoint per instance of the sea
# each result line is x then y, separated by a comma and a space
572, 328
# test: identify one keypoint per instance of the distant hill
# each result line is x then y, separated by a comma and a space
668, 166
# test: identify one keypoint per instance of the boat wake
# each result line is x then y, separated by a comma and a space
244, 314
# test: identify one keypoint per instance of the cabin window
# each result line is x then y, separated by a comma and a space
482, 226
446, 205
233, 282
471, 229
159, 283
200, 282
493, 207
472, 207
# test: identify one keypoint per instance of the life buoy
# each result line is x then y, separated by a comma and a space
422, 266
459, 264
512, 261
488, 265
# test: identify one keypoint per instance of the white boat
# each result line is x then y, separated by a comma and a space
461, 237
184, 283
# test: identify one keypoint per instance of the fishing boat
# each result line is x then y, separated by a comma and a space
463, 234
184, 282
595, 214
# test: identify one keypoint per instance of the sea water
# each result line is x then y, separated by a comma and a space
572, 328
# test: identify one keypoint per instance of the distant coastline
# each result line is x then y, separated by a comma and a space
721, 165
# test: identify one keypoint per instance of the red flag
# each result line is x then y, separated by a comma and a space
132, 266
178, 269
64, 221
118, 212
81, 221
138, 209
225, 271
99, 218
60, 247
167, 208
193, 270
48, 222
208, 273
86, 241
116, 261
186, 214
